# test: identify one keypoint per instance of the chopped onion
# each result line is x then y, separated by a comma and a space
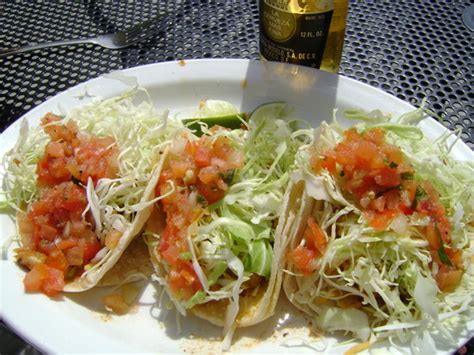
178, 146
418, 219
400, 224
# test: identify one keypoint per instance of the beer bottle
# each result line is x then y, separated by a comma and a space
306, 32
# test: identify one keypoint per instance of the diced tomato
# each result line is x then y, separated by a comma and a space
171, 253
80, 230
169, 234
44, 278
303, 258
166, 175
208, 174
57, 260
184, 281
67, 243
375, 135
431, 236
179, 168
75, 256
406, 209
69, 154
91, 248
448, 278
210, 193
387, 177
351, 135
59, 132
378, 204
54, 283
190, 148
221, 147
315, 236
444, 228
410, 187
328, 162
46, 247
392, 153
57, 229
380, 220
29, 258
169, 196
455, 255
199, 170
366, 153
203, 156
35, 277
381, 180
73, 198
50, 173
55, 149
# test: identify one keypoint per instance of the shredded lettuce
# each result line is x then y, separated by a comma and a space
332, 318
233, 240
391, 272
139, 131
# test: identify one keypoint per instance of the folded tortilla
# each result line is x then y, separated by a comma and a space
91, 277
368, 276
128, 261
256, 303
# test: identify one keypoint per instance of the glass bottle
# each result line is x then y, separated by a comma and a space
306, 32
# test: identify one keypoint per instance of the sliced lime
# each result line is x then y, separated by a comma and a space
230, 121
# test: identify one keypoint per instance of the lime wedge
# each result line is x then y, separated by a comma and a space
229, 121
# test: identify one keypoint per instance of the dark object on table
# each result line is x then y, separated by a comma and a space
116, 40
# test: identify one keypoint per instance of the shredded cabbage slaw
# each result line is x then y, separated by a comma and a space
392, 271
234, 239
141, 133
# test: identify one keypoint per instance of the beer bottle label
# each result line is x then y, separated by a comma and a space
294, 31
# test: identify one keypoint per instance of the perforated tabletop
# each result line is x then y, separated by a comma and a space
409, 49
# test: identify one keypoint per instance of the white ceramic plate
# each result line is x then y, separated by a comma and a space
77, 322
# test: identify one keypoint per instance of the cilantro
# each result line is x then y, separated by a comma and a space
75, 180
443, 257
407, 176
201, 200
420, 194
228, 176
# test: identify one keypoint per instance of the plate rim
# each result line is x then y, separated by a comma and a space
241, 64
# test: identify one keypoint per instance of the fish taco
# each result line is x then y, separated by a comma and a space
81, 187
385, 231
214, 233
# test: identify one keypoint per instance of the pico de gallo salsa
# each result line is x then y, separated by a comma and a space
383, 185
58, 237
197, 173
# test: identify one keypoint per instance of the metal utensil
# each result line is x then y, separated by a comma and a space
120, 39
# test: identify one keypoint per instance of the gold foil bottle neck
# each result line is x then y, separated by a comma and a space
307, 32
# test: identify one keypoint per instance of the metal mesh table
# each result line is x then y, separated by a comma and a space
409, 49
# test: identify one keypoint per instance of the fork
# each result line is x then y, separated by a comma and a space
120, 39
